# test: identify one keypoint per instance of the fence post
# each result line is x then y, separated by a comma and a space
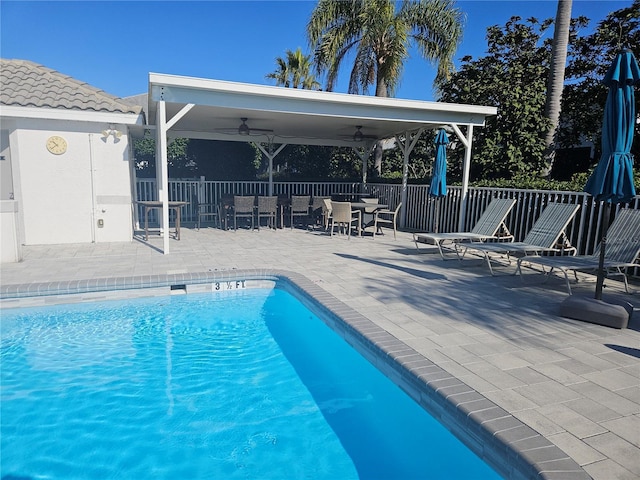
202, 195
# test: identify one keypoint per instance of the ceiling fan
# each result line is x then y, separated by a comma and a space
244, 129
358, 136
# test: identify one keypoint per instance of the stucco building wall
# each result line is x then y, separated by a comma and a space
63, 197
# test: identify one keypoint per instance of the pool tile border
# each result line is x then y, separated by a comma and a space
513, 449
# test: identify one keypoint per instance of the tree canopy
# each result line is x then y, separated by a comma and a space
376, 38
508, 150
192, 158
294, 71
512, 76
584, 94
144, 152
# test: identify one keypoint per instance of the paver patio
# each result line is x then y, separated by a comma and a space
578, 384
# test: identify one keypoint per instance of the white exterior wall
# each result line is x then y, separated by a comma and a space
112, 187
62, 197
10, 248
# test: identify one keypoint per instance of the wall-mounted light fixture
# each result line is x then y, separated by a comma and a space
111, 131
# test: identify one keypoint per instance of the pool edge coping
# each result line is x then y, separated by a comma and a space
513, 449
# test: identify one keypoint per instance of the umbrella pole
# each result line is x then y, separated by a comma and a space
603, 245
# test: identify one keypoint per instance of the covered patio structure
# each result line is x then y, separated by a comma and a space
187, 107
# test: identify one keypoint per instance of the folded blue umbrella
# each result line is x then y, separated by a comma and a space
612, 179
438, 187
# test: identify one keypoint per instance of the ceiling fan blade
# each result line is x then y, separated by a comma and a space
244, 129
252, 130
358, 136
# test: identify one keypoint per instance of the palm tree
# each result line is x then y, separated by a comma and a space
295, 71
378, 37
281, 74
555, 82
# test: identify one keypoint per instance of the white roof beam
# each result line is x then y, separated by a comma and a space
179, 115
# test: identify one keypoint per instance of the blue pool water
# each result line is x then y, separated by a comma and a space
219, 386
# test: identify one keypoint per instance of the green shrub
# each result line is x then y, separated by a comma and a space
528, 182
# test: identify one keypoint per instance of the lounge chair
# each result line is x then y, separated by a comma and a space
490, 226
547, 235
622, 250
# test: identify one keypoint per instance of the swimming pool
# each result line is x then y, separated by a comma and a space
186, 387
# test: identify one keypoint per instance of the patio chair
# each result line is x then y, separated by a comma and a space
206, 210
300, 207
546, 236
317, 210
243, 207
368, 213
386, 217
326, 212
267, 208
621, 252
342, 216
490, 226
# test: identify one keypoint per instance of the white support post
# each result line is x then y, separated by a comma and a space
407, 146
134, 188
363, 154
365, 167
270, 155
162, 168
466, 166
162, 173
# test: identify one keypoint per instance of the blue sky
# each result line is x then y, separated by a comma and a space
114, 45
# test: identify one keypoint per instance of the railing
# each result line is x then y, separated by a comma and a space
426, 213
194, 191
422, 212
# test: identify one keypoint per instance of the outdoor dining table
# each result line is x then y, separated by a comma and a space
364, 206
150, 205
349, 197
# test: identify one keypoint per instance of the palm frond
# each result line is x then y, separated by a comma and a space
436, 30
379, 38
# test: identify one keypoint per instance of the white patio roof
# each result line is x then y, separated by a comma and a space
201, 108
295, 116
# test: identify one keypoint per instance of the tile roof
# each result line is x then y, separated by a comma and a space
28, 84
